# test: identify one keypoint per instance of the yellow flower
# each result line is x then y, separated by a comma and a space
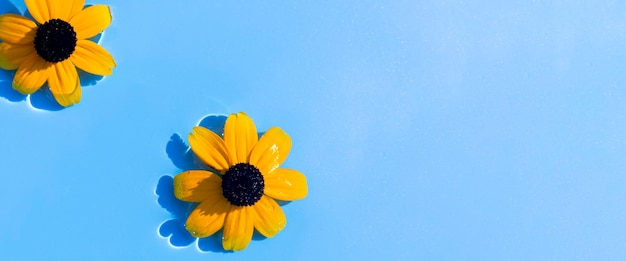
51, 47
241, 198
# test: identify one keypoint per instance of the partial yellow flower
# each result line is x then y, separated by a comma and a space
50, 48
242, 196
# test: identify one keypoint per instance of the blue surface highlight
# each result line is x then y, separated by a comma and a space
431, 130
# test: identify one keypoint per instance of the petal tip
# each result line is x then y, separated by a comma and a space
67, 100
24, 90
177, 183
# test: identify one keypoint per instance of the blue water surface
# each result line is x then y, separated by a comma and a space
428, 130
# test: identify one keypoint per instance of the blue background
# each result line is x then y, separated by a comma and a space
432, 130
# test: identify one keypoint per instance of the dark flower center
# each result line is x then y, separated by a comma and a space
55, 40
242, 185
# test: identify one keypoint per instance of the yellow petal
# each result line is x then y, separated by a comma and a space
17, 29
65, 9
12, 55
209, 147
39, 10
63, 78
66, 100
286, 184
92, 58
271, 150
196, 185
63, 82
91, 21
31, 75
240, 136
208, 217
270, 218
238, 228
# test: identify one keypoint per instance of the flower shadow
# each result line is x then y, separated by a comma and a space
6, 89
183, 158
41, 99
173, 228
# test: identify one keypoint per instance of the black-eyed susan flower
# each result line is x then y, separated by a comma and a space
242, 196
50, 48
